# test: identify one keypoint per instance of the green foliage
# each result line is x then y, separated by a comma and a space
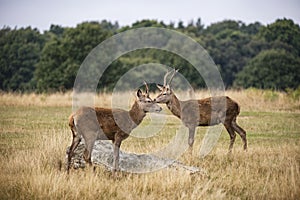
65, 51
271, 69
283, 33
19, 52
226, 44
250, 55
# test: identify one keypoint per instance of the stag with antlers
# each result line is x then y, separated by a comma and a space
202, 112
93, 124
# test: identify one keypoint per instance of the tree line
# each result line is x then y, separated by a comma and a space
253, 55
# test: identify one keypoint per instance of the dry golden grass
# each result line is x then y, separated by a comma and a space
34, 136
249, 100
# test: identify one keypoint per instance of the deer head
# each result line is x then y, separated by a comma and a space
166, 92
145, 102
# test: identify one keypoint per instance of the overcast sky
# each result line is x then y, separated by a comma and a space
41, 14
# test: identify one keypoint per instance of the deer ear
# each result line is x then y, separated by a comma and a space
160, 87
139, 93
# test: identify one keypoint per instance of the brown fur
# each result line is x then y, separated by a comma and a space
107, 124
203, 112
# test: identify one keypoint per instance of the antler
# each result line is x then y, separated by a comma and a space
165, 77
175, 71
147, 88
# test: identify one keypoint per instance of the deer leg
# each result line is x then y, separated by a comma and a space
89, 144
117, 144
191, 139
76, 140
191, 136
241, 132
232, 135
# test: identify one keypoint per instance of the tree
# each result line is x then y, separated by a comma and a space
50, 61
252, 28
19, 52
221, 26
62, 55
194, 29
284, 33
228, 46
271, 69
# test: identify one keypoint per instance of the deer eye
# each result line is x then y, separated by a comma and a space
164, 93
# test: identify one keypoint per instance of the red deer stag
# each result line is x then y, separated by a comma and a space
202, 112
93, 124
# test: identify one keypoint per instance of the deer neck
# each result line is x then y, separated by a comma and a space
136, 114
174, 106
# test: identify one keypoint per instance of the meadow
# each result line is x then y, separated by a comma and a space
34, 135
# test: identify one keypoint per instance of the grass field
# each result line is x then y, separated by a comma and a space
34, 134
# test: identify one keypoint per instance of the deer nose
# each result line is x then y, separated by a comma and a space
154, 100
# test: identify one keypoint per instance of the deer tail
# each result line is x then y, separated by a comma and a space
72, 124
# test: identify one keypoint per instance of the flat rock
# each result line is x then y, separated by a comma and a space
102, 154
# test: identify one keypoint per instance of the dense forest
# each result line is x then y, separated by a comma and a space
248, 55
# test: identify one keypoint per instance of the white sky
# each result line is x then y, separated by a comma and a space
41, 14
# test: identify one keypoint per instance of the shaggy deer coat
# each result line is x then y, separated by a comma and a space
107, 124
203, 112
